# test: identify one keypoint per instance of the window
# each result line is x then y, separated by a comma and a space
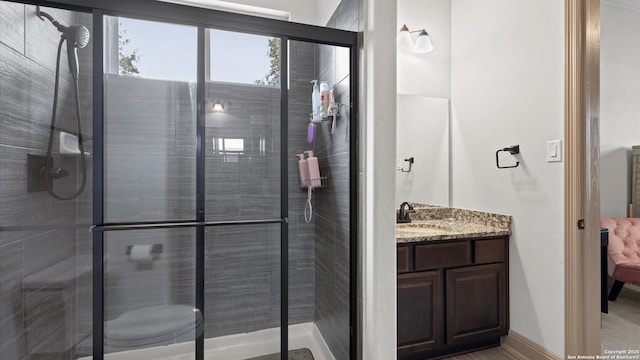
244, 58
229, 149
136, 51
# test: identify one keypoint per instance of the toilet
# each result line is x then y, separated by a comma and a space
145, 328
142, 322
50, 295
150, 326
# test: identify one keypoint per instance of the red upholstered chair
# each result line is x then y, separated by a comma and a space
624, 252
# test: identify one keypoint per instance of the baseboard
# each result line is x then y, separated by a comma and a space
523, 348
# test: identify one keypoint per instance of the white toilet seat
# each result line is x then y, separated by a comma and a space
154, 325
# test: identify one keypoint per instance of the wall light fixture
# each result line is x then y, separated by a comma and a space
218, 107
422, 45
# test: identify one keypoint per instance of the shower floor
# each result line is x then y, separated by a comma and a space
236, 347
299, 354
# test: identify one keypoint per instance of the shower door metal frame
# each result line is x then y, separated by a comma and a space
213, 19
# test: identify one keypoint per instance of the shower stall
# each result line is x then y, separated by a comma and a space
150, 201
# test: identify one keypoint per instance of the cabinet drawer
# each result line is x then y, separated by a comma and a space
403, 259
490, 251
434, 256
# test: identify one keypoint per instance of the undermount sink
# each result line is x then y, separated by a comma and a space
419, 229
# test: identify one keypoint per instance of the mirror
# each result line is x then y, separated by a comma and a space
619, 107
423, 133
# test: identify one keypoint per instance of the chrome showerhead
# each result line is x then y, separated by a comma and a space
77, 35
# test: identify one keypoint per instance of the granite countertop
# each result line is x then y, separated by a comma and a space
432, 223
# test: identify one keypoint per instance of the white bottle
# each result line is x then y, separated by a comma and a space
324, 97
314, 169
303, 170
315, 101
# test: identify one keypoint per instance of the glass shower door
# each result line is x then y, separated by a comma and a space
243, 185
320, 291
149, 178
197, 167
193, 225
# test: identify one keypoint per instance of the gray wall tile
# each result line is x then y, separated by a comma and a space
332, 203
11, 296
237, 306
38, 231
12, 25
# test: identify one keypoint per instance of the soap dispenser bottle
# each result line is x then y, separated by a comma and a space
314, 169
303, 170
315, 101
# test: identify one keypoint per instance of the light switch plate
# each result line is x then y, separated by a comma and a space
554, 151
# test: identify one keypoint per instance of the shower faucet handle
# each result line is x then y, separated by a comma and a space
53, 174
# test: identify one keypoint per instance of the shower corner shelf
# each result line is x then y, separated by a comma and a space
320, 182
321, 119
334, 112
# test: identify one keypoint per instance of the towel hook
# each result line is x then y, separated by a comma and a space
410, 161
514, 149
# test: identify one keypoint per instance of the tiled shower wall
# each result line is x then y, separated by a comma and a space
332, 203
331, 216
301, 235
36, 230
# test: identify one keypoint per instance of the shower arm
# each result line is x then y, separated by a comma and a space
40, 15
55, 23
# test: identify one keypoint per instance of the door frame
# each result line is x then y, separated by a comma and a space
581, 184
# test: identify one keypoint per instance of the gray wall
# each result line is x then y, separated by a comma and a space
36, 231
332, 203
331, 216
301, 234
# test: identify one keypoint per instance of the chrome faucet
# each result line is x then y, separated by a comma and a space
402, 215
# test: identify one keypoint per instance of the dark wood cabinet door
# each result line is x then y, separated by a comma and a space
420, 312
476, 303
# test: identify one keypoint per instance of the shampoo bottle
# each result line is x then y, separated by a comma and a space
324, 97
303, 170
315, 101
314, 169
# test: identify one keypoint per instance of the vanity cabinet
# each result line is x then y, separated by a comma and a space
452, 296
